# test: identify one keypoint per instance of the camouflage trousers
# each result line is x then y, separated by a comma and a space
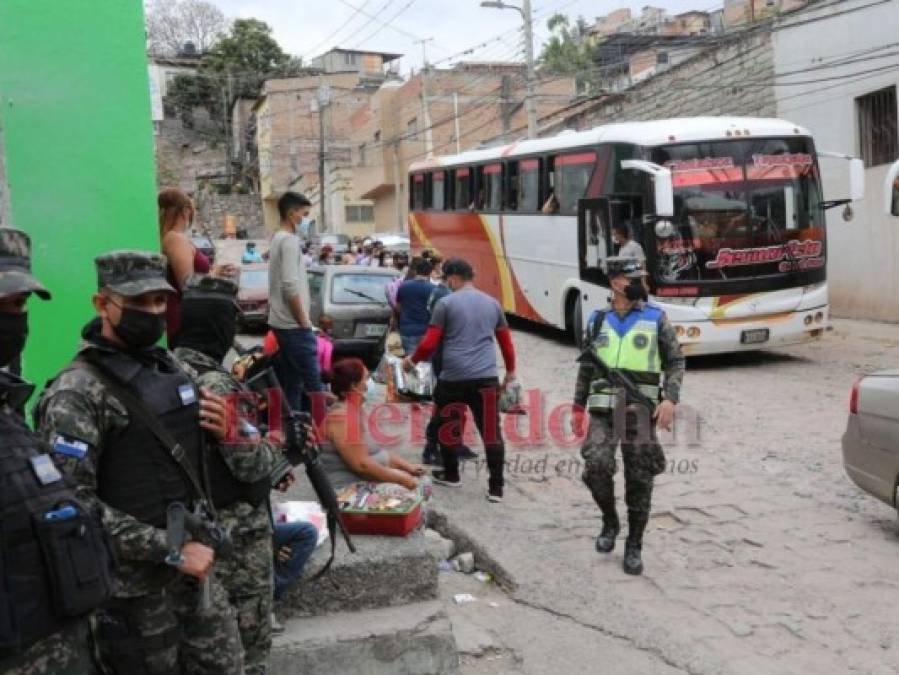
166, 633
247, 578
66, 652
642, 455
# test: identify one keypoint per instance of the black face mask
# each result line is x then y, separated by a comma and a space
139, 329
634, 290
13, 333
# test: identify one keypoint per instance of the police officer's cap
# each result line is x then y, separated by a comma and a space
15, 265
132, 273
200, 287
629, 267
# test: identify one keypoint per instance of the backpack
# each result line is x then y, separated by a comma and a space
55, 559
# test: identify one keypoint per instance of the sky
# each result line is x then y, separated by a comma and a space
307, 28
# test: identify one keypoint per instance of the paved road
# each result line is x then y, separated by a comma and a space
761, 556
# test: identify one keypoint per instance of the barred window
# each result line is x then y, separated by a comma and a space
878, 131
360, 214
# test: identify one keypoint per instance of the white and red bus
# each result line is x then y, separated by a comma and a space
729, 212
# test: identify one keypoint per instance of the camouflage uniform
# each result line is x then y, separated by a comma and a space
642, 455
246, 575
152, 600
66, 652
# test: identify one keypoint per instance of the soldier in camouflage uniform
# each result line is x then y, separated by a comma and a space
239, 466
66, 651
154, 623
635, 337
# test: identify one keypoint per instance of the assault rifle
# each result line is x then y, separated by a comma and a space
299, 448
179, 523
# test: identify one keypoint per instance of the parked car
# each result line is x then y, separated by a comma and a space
205, 246
252, 296
355, 298
871, 441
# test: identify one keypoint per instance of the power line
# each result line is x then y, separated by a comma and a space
385, 24
339, 28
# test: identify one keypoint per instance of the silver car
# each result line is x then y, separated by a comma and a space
355, 297
871, 441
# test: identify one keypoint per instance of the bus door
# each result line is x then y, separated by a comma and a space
594, 223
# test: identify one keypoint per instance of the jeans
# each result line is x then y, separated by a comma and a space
296, 365
410, 343
481, 396
301, 537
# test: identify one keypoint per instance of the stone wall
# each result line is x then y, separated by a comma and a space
731, 79
213, 208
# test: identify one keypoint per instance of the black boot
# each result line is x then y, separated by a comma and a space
633, 545
605, 542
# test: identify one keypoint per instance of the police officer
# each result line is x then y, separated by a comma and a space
103, 416
35, 638
239, 466
636, 338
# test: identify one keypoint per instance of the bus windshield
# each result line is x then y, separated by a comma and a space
743, 209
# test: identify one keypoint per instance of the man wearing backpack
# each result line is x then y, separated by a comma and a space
43, 623
635, 338
127, 421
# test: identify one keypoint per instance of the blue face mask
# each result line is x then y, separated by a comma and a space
304, 226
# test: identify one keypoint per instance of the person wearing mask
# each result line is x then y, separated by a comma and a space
34, 639
436, 270
296, 363
465, 324
176, 214
412, 305
627, 247
238, 468
347, 455
250, 254
637, 339
126, 422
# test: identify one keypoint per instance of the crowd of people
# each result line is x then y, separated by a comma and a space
119, 497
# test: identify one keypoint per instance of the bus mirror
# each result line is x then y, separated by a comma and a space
662, 184
856, 179
665, 229
891, 190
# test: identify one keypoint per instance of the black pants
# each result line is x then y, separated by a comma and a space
482, 398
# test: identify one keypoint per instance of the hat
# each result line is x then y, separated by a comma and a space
458, 267
629, 267
207, 287
132, 273
15, 265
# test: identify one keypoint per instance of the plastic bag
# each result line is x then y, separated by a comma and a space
310, 512
510, 399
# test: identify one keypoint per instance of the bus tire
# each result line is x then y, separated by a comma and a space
574, 320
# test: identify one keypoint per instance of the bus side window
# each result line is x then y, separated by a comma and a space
479, 189
462, 189
529, 185
418, 191
548, 191
572, 175
511, 198
438, 191
492, 184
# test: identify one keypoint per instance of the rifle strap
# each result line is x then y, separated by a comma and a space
137, 408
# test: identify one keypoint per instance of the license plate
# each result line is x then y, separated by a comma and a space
375, 329
754, 336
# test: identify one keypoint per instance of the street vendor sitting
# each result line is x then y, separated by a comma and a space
347, 455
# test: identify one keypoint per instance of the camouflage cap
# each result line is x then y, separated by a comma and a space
209, 287
132, 273
630, 267
15, 265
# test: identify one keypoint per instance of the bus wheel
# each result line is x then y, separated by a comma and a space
574, 320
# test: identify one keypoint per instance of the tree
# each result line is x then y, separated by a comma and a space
172, 23
567, 51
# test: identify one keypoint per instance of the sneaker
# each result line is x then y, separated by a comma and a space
277, 626
495, 495
441, 478
431, 455
467, 453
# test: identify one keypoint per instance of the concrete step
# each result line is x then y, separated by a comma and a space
413, 639
384, 571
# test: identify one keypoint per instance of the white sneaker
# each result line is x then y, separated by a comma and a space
277, 626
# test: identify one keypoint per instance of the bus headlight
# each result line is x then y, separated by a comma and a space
679, 331
819, 317
693, 332
807, 320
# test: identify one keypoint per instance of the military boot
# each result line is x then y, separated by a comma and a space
605, 542
633, 545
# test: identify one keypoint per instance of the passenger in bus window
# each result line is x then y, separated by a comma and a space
627, 247
551, 205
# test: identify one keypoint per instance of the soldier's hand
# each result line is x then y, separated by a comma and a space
198, 559
214, 414
286, 482
664, 414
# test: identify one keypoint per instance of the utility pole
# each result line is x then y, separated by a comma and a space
456, 122
226, 100
527, 17
323, 98
425, 108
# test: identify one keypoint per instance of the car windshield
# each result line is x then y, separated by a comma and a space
254, 279
356, 289
743, 209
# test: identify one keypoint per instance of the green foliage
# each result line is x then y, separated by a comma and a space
567, 51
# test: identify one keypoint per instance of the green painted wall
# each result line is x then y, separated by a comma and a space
78, 141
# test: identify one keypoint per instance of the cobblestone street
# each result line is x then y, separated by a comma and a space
761, 556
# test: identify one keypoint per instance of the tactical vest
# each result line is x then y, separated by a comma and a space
137, 474
55, 562
630, 344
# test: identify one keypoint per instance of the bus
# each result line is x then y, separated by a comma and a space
728, 211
